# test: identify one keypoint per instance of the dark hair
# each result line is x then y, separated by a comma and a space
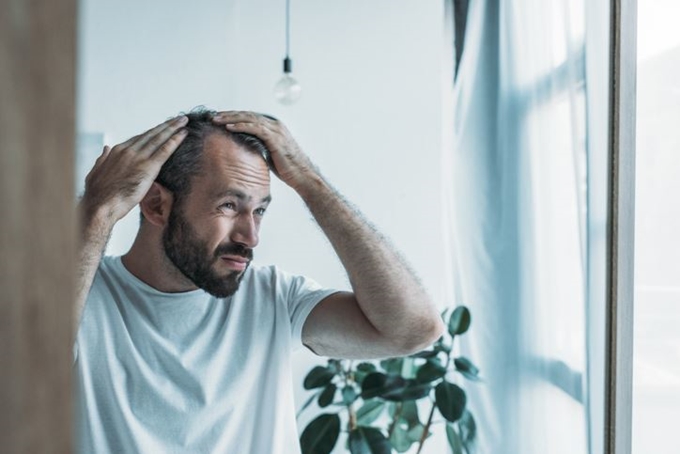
185, 163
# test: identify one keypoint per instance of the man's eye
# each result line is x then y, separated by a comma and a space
228, 205
260, 211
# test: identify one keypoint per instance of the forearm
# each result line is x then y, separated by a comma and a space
95, 232
386, 289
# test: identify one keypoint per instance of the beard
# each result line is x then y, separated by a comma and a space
192, 257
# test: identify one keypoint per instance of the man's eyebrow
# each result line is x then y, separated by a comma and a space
239, 195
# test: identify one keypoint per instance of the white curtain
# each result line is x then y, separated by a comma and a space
516, 199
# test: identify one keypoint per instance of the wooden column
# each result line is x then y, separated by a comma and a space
37, 223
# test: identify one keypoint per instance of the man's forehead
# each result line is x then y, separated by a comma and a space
220, 146
231, 169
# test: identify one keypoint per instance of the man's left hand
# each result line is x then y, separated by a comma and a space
291, 165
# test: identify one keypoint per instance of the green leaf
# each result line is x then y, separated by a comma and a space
377, 384
393, 387
460, 321
454, 440
405, 412
335, 366
466, 368
451, 400
326, 397
349, 394
362, 370
415, 433
366, 367
318, 377
368, 440
373, 385
468, 428
430, 371
370, 411
307, 403
409, 413
392, 365
425, 354
320, 436
400, 440
412, 390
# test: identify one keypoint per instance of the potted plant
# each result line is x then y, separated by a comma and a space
379, 402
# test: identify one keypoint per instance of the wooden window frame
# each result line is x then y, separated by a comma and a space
620, 228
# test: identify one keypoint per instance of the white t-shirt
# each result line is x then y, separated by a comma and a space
186, 372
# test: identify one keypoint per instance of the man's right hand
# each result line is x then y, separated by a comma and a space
122, 175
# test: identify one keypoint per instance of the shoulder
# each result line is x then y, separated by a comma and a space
280, 283
266, 277
273, 276
109, 265
106, 272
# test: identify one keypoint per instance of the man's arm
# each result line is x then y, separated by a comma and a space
120, 178
389, 313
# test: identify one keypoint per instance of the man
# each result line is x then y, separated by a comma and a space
182, 346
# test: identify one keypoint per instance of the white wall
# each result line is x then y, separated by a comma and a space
370, 115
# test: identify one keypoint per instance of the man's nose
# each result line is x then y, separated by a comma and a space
245, 231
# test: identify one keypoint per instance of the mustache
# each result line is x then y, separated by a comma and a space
234, 249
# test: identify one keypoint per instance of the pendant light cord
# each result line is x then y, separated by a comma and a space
287, 28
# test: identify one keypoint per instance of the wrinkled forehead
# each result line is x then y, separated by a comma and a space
228, 165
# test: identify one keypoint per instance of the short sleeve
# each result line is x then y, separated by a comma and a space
303, 295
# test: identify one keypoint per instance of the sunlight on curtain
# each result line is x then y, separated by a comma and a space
516, 197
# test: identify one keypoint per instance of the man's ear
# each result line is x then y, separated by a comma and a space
157, 204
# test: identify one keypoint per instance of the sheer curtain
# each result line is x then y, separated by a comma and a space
516, 200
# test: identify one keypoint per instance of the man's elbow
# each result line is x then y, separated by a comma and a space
423, 336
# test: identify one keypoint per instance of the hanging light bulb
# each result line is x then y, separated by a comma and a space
287, 90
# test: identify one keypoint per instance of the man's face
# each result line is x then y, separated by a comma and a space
211, 236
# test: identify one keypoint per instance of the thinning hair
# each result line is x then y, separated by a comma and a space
186, 162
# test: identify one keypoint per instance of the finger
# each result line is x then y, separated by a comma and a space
132, 140
102, 157
128, 142
256, 129
163, 153
266, 132
161, 137
105, 152
168, 127
235, 116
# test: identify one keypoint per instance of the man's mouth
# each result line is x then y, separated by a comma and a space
235, 262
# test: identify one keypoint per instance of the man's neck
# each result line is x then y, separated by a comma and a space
147, 261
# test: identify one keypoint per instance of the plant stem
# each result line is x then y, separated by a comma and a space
434, 404
397, 415
352, 420
426, 429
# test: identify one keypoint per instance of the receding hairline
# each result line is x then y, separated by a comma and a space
234, 141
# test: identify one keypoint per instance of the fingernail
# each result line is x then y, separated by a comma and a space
183, 120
